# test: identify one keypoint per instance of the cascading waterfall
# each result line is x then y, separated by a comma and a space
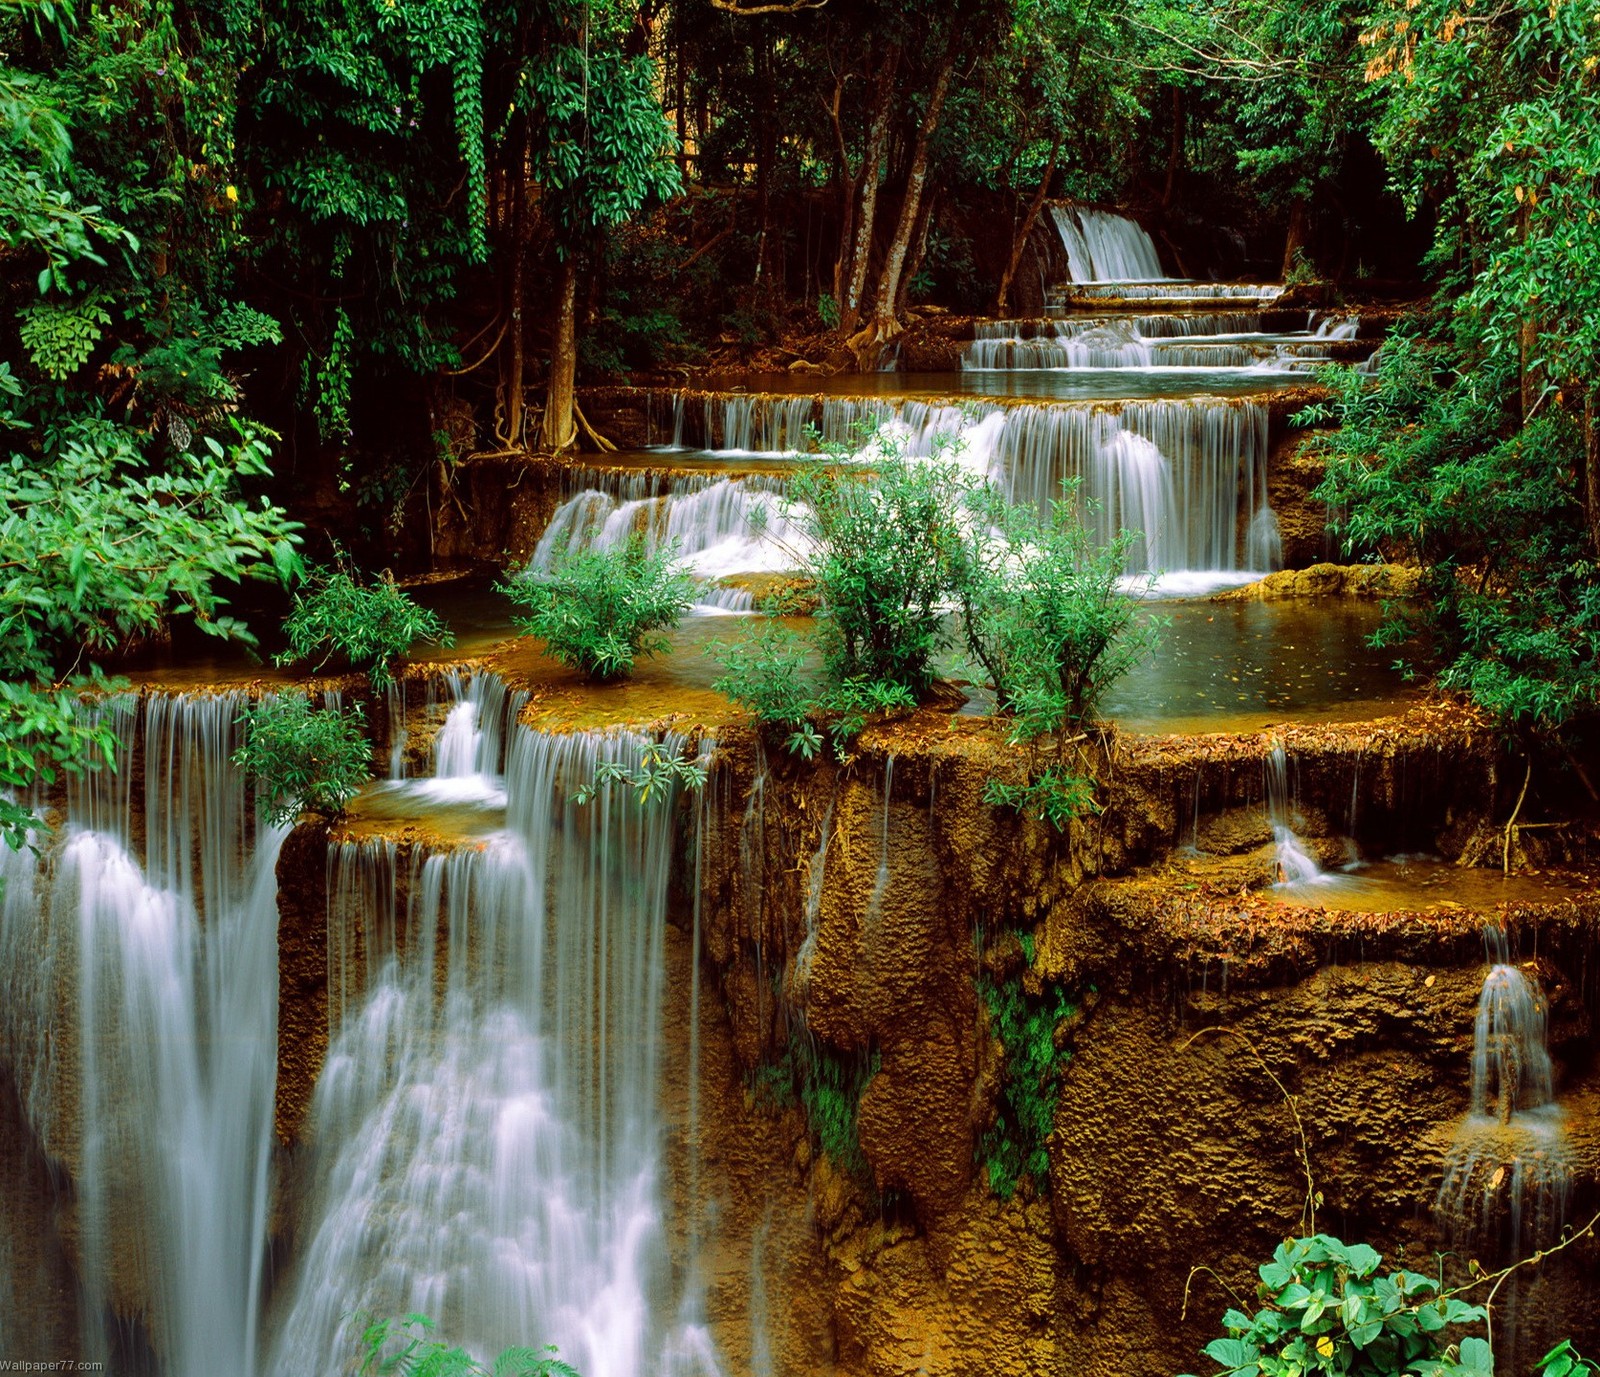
1189, 474
1198, 341
1508, 1176
723, 527
485, 1130
1168, 292
155, 1092
1104, 247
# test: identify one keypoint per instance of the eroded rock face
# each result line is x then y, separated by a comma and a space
1172, 1145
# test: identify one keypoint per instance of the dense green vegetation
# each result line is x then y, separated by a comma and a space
1014, 1147
909, 559
249, 251
367, 625
828, 1086
599, 610
303, 758
1328, 1308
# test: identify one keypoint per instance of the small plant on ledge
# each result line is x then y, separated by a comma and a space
600, 610
304, 759
370, 625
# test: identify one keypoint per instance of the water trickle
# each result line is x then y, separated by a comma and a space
1508, 1175
880, 882
816, 873
1296, 866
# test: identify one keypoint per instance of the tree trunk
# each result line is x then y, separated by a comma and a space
1003, 296
911, 205
519, 255
1175, 149
866, 214
559, 431
1294, 241
919, 249
847, 198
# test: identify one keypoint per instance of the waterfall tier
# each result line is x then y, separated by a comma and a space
138, 1011
1189, 475
1508, 1176
1229, 340
486, 1131
1105, 247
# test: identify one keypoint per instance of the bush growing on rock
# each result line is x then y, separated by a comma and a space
600, 610
369, 625
304, 759
890, 552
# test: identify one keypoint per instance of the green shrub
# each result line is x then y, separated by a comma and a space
1432, 462
597, 610
368, 624
878, 552
1043, 610
1015, 1145
1327, 1310
304, 759
1049, 625
413, 1353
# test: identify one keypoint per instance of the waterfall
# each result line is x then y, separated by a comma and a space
1195, 340
1189, 474
1105, 247
1508, 1176
485, 1132
723, 527
1178, 294
140, 1022
1296, 866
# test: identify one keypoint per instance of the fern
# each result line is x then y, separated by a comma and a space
60, 336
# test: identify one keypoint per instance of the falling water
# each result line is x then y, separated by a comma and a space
1507, 1176
486, 1133
729, 526
140, 1020
1296, 867
816, 873
1105, 247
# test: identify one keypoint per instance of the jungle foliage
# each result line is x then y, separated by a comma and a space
368, 625
600, 609
303, 758
406, 1348
1328, 1308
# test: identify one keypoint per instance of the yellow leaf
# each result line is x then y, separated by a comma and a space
1325, 1346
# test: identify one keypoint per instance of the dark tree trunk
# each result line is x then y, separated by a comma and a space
1175, 149
1294, 241
1002, 298
911, 206
519, 257
559, 430
871, 173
